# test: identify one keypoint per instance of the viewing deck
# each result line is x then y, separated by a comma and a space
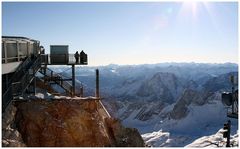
62, 59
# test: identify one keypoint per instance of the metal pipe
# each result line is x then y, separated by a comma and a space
73, 80
228, 133
81, 91
97, 84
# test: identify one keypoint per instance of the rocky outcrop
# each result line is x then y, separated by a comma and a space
10, 135
71, 123
141, 110
162, 86
121, 136
220, 83
188, 97
194, 97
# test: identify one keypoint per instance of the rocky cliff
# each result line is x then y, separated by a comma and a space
10, 135
71, 123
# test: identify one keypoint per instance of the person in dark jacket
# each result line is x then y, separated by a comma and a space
76, 55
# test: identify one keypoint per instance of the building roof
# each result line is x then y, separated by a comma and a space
18, 38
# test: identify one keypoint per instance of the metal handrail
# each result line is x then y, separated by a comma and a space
15, 59
21, 86
20, 70
17, 74
17, 88
7, 97
29, 76
65, 85
69, 59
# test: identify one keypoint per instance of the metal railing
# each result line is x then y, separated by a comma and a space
6, 98
57, 78
17, 88
22, 85
20, 70
67, 59
13, 59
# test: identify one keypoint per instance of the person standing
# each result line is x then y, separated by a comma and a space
76, 55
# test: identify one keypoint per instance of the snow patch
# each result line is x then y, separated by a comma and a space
215, 140
165, 139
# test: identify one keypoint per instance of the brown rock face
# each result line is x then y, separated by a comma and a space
69, 123
10, 135
123, 137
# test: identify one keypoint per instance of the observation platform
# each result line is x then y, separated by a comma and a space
62, 59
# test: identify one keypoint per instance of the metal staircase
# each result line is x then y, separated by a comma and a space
51, 76
21, 79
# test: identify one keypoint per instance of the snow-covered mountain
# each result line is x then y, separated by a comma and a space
171, 104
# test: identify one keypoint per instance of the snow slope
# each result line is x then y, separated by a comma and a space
203, 124
215, 140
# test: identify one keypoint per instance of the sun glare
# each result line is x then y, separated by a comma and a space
191, 6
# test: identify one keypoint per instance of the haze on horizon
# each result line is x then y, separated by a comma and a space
132, 32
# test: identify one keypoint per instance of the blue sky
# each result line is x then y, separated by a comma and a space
131, 33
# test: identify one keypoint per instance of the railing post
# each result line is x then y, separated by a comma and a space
5, 51
73, 80
17, 45
228, 133
81, 91
97, 83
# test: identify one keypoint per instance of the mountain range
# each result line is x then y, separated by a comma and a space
181, 99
